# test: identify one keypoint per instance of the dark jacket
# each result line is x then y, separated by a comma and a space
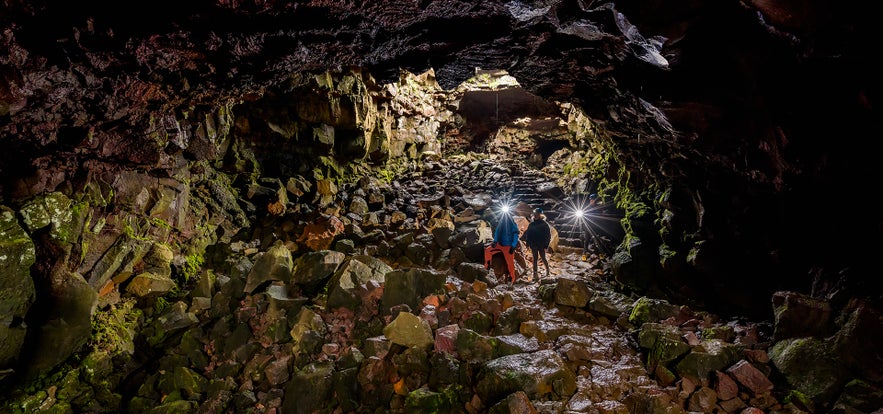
538, 234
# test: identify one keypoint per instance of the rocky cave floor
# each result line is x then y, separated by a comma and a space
375, 299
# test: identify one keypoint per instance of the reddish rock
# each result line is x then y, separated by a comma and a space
757, 355
691, 339
704, 400
725, 387
750, 377
320, 234
445, 338
732, 405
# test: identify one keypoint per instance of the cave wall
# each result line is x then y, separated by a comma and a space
733, 132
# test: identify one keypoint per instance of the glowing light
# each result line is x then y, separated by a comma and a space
505, 209
584, 211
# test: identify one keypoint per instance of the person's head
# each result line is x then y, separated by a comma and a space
538, 214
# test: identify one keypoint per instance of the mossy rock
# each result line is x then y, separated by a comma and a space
811, 366
423, 400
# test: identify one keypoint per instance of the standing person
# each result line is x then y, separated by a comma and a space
507, 232
537, 236
505, 242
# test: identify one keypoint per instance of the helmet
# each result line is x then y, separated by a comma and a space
538, 211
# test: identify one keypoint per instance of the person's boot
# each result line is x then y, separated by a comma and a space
535, 276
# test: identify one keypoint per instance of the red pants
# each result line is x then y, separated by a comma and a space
493, 249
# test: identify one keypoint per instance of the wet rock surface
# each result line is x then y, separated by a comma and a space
272, 325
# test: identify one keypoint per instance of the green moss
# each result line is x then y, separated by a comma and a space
424, 400
640, 312
114, 329
158, 222
160, 305
798, 398
192, 264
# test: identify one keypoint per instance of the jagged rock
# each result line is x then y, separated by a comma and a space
417, 254
410, 286
750, 377
539, 374
466, 215
471, 272
663, 342
273, 265
725, 387
315, 267
478, 201
651, 310
319, 234
175, 319
119, 258
703, 400
724, 333
712, 355
610, 303
68, 326
516, 344
374, 381
325, 192
858, 337
542, 330
733, 405
358, 205
309, 389
441, 230
858, 396
17, 292
409, 330
810, 365
653, 402
298, 186
575, 293
344, 286
345, 246
471, 236
307, 332
510, 320
428, 314
478, 321
446, 338
515, 403
150, 285
41, 211
205, 285
474, 347
798, 315
182, 380
423, 400
445, 371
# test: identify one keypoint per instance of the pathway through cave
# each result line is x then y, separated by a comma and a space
603, 356
559, 344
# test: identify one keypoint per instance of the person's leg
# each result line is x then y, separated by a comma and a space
510, 262
534, 253
545, 262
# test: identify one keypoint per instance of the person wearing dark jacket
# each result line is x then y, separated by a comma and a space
537, 237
